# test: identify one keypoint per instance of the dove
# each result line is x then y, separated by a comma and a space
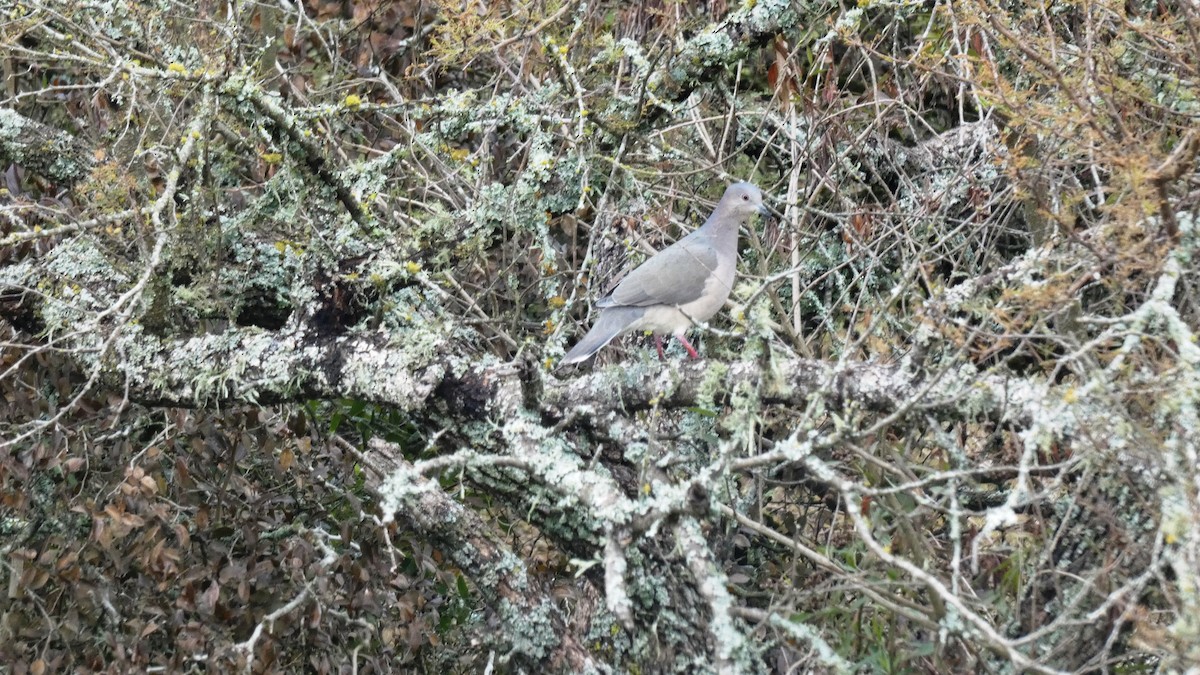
681, 285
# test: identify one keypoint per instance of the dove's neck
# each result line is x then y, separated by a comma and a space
721, 228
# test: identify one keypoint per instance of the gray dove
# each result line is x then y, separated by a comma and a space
683, 284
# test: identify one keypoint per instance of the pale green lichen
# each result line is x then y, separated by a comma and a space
712, 47
764, 16
40, 149
529, 631
80, 260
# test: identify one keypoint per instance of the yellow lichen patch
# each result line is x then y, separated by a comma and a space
108, 188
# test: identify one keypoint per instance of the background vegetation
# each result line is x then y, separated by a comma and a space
282, 287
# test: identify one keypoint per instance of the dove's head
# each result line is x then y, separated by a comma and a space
742, 200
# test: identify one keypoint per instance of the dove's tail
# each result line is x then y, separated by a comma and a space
612, 322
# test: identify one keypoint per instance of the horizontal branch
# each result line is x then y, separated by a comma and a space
255, 366
877, 387
251, 365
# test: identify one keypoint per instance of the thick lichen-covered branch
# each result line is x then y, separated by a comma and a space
534, 629
42, 149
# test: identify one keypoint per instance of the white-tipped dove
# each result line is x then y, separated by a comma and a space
681, 285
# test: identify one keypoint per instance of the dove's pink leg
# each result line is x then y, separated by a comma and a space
658, 345
688, 346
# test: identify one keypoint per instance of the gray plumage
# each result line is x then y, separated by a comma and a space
683, 284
